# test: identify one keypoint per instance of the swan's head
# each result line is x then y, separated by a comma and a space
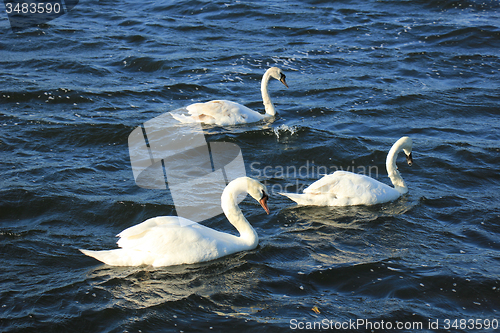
409, 159
278, 74
406, 146
258, 192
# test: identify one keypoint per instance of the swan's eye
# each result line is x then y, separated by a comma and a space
409, 159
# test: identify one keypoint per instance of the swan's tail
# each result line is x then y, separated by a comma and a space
183, 118
118, 257
301, 199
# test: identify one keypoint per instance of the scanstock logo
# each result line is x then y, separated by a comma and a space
166, 156
30, 13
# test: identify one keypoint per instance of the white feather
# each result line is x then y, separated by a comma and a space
343, 188
172, 240
223, 112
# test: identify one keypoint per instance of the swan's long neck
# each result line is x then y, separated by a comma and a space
233, 213
266, 99
392, 169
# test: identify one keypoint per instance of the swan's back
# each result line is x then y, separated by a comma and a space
220, 112
154, 233
167, 241
343, 188
137, 230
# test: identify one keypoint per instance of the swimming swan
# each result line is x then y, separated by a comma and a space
172, 240
343, 188
222, 112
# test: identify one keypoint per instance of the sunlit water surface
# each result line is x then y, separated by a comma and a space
361, 75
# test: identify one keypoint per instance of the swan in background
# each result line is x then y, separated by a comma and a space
222, 112
172, 240
343, 188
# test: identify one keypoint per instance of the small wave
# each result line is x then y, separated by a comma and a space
141, 64
60, 96
463, 4
470, 37
361, 276
285, 131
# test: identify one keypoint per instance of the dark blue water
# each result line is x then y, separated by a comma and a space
361, 75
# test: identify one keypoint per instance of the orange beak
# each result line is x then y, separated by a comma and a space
263, 203
282, 80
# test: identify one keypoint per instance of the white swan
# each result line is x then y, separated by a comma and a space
171, 240
343, 188
223, 113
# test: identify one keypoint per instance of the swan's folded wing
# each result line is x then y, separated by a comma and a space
324, 185
172, 244
342, 185
222, 112
213, 109
138, 230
